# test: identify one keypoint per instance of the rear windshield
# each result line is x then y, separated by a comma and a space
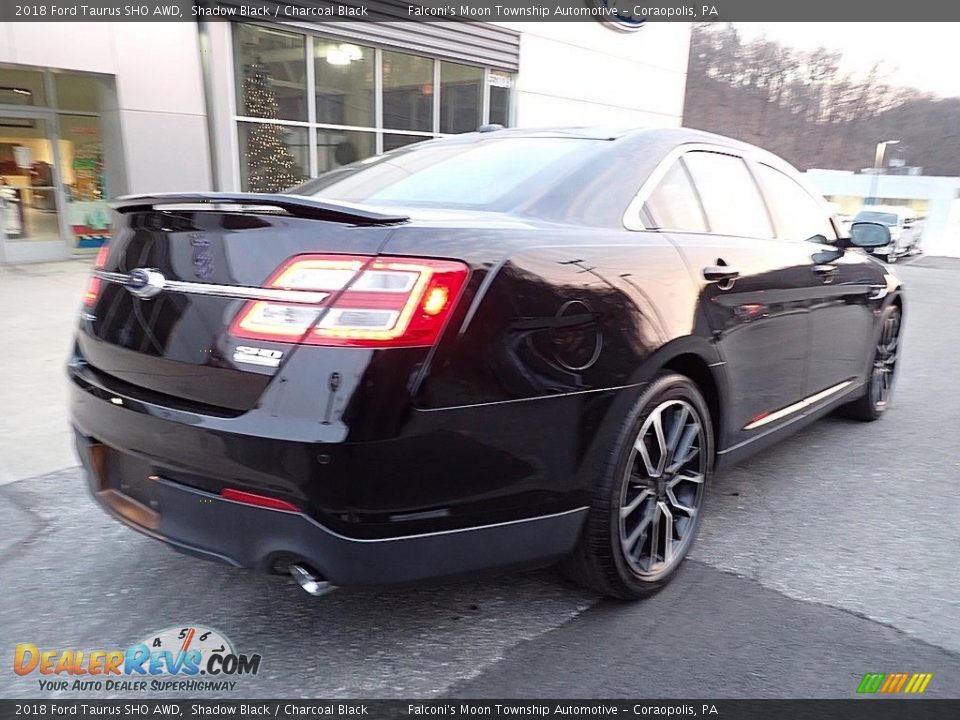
474, 175
883, 218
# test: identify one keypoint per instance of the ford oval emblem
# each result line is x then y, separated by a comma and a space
624, 19
145, 283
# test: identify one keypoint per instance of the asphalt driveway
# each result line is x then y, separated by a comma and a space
829, 556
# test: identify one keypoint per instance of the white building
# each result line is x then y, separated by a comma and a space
90, 110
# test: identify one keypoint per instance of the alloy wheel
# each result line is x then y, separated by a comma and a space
663, 489
885, 361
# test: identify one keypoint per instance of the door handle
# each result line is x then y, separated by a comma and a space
827, 272
720, 273
723, 275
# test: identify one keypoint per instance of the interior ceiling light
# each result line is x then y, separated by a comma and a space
343, 54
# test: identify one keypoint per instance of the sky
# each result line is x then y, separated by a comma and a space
921, 55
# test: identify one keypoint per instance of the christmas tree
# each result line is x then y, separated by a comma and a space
270, 165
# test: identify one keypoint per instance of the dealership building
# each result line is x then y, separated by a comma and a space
92, 110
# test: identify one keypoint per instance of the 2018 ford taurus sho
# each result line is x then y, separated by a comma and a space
504, 348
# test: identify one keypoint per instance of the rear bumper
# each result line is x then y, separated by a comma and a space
208, 526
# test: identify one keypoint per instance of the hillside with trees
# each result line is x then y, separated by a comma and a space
805, 107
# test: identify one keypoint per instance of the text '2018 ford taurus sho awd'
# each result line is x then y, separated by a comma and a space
505, 348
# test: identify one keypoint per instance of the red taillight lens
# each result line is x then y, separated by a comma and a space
93, 287
258, 500
374, 302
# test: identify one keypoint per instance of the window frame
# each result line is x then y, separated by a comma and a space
767, 196
637, 218
378, 128
648, 211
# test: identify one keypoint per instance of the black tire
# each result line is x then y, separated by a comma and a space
603, 561
876, 398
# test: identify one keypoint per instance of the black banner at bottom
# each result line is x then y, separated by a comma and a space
859, 709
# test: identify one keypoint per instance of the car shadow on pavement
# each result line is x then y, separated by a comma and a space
84, 581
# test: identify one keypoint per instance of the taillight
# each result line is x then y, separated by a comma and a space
374, 302
93, 286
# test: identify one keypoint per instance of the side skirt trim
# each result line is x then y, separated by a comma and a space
848, 388
796, 407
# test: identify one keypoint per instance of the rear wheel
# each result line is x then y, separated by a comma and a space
646, 508
879, 392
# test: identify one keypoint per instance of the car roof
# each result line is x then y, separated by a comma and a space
600, 186
605, 132
654, 141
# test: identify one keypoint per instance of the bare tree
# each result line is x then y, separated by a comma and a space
804, 106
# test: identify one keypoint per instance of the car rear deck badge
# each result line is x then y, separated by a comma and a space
145, 283
257, 356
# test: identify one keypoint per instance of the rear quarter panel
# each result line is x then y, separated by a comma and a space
549, 351
564, 317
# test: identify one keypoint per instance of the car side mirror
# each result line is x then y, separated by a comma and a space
868, 235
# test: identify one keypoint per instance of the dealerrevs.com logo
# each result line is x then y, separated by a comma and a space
188, 659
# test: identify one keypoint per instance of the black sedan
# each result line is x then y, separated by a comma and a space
505, 348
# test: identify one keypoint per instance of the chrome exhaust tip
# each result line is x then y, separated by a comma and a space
310, 582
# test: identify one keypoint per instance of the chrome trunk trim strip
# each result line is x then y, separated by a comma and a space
240, 292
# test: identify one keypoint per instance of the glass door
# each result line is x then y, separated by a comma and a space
29, 181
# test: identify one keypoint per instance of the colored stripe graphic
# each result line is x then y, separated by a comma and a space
894, 683
870, 683
918, 683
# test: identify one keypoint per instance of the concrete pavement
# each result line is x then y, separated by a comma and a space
40, 305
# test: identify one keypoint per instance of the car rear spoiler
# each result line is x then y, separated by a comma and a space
293, 204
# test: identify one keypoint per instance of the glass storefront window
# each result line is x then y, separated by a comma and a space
391, 141
28, 202
461, 97
77, 92
500, 106
343, 74
501, 84
355, 100
407, 92
61, 160
271, 73
336, 148
22, 87
84, 179
273, 157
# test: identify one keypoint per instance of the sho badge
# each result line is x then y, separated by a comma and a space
257, 356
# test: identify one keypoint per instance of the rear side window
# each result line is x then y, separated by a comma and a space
468, 174
797, 214
729, 195
673, 205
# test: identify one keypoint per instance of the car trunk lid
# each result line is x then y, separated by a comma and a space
179, 269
